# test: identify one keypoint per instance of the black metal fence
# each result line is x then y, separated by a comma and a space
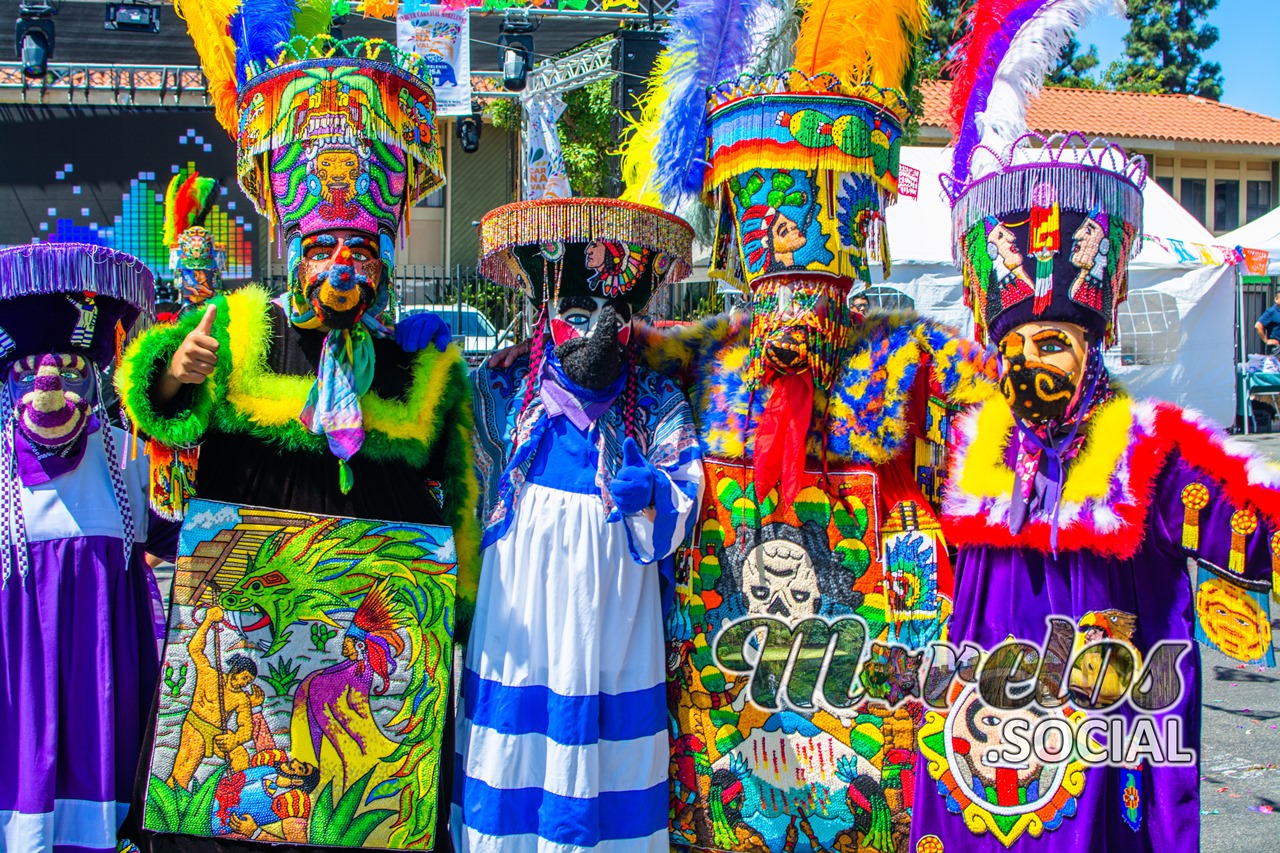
459, 293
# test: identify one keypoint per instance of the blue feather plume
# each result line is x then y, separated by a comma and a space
259, 28
708, 41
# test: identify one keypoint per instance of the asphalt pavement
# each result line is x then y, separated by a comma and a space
1240, 741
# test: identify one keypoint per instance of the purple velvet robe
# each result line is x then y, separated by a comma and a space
78, 658
1127, 560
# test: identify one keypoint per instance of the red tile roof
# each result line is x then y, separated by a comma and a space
1127, 115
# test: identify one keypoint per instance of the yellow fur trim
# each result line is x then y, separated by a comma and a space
272, 400
983, 472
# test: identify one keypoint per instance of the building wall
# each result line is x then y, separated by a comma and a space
478, 182
1222, 191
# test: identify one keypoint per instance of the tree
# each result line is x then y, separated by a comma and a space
935, 49
1074, 67
1164, 49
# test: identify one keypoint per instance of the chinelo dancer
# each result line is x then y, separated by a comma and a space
77, 627
823, 429
1075, 507
593, 476
312, 403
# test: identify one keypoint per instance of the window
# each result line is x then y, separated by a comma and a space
889, 298
1149, 328
1193, 197
1166, 183
1226, 205
1257, 200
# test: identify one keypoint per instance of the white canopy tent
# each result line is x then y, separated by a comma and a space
1261, 233
1176, 332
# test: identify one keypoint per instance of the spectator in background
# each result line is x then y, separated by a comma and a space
1268, 327
860, 303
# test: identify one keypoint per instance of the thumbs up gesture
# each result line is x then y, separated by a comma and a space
632, 487
195, 359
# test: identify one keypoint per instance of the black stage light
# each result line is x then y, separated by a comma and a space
469, 128
515, 49
133, 17
33, 37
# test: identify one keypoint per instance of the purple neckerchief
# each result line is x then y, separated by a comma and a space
39, 465
1039, 469
562, 396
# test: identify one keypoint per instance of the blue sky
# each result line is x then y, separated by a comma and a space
1246, 49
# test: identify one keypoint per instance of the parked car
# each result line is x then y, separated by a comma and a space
471, 329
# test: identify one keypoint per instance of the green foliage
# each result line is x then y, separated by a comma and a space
505, 114
177, 809
321, 634
339, 825
1074, 67
282, 675
586, 137
1164, 49
935, 48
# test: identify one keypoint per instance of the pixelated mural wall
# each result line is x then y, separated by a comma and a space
98, 175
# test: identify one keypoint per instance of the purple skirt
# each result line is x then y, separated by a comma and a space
78, 667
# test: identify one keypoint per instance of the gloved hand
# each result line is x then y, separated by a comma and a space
418, 331
632, 487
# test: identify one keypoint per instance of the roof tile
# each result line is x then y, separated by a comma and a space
1127, 115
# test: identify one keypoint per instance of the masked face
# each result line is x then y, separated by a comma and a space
1043, 364
591, 336
798, 313
340, 272
53, 393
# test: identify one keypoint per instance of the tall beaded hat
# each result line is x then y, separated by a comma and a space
602, 247
790, 138
69, 297
1043, 228
330, 134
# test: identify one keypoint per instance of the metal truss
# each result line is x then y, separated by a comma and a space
105, 84
573, 70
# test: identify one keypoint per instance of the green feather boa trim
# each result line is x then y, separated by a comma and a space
244, 396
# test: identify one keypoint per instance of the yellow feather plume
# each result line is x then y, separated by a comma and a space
861, 40
638, 159
207, 25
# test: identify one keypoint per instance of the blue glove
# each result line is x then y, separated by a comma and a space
632, 487
418, 331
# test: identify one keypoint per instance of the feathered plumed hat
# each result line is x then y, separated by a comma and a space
330, 134
1043, 229
791, 134
584, 247
196, 260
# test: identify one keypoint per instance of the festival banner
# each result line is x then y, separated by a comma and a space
305, 680
1255, 261
545, 175
441, 36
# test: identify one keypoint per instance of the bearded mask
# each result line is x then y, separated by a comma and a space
53, 394
1043, 365
341, 276
798, 324
591, 336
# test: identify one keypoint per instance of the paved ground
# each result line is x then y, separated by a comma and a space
1240, 743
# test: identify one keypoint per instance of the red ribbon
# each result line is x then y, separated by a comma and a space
780, 438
